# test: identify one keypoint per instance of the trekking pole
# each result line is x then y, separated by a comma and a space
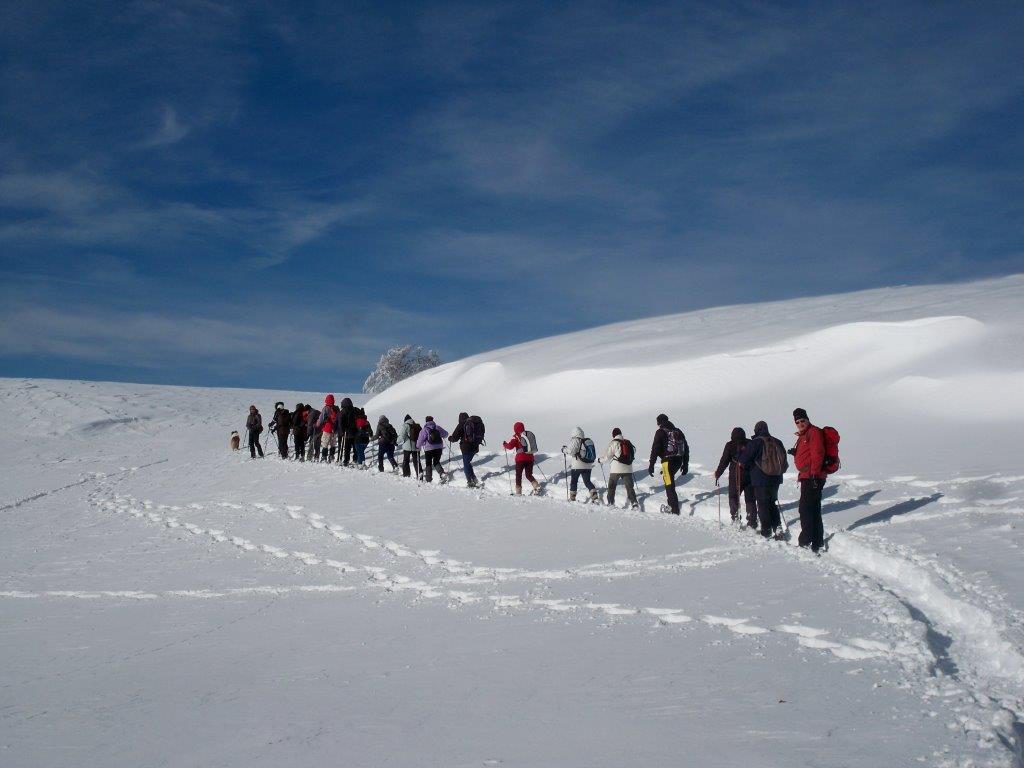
719, 506
511, 491
565, 463
601, 464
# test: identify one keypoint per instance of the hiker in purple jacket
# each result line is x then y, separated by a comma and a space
431, 440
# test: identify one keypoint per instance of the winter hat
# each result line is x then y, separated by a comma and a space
463, 416
429, 418
616, 432
279, 404
662, 418
761, 428
329, 400
518, 427
799, 413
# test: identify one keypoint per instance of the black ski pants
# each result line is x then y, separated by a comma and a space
768, 508
300, 446
433, 461
467, 464
254, 443
348, 443
812, 530
414, 457
669, 467
627, 480
282, 442
385, 449
749, 502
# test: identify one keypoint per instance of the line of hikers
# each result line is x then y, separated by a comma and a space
755, 466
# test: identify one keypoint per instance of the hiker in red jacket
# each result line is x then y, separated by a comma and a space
810, 463
524, 456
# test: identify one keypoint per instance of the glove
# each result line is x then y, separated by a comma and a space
650, 470
791, 451
716, 480
686, 469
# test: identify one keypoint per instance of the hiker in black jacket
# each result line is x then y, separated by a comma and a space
346, 430
739, 480
670, 447
281, 425
299, 431
468, 439
765, 460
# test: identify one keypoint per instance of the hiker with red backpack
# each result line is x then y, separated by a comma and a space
670, 446
809, 453
470, 435
327, 424
764, 460
525, 444
431, 440
583, 453
739, 480
363, 436
621, 453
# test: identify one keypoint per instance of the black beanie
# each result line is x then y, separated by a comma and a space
662, 418
407, 417
799, 413
616, 432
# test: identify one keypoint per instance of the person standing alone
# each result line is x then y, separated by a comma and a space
809, 453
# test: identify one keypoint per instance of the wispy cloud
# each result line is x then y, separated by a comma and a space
170, 131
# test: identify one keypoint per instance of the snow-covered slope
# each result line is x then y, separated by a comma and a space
920, 380
166, 601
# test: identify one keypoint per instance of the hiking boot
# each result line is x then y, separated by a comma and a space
594, 498
519, 490
536, 486
572, 495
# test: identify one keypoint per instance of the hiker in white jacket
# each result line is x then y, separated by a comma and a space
620, 470
581, 467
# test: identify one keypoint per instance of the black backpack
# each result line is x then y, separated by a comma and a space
675, 442
433, 434
414, 431
390, 435
473, 430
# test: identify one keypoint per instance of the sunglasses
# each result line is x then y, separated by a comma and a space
800, 421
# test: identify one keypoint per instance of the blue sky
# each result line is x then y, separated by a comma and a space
271, 194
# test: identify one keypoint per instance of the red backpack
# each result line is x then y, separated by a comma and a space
831, 463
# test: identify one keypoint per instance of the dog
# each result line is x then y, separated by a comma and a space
235, 441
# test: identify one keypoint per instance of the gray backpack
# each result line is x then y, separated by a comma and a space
529, 441
773, 457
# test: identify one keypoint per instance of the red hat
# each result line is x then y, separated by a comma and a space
518, 427
329, 400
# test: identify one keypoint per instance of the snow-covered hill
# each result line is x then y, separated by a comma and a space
166, 601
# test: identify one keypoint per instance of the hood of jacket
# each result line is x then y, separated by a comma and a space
383, 420
578, 432
463, 416
329, 400
761, 429
408, 419
518, 428
738, 433
346, 402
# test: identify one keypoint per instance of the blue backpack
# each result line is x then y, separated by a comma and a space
588, 451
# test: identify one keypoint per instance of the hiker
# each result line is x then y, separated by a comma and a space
254, 425
408, 437
299, 431
281, 426
809, 453
386, 438
739, 480
346, 430
764, 462
470, 434
364, 434
525, 444
328, 426
620, 453
313, 436
431, 440
670, 447
583, 454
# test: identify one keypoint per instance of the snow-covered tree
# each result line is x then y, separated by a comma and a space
399, 363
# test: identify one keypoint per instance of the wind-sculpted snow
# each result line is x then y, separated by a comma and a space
166, 601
